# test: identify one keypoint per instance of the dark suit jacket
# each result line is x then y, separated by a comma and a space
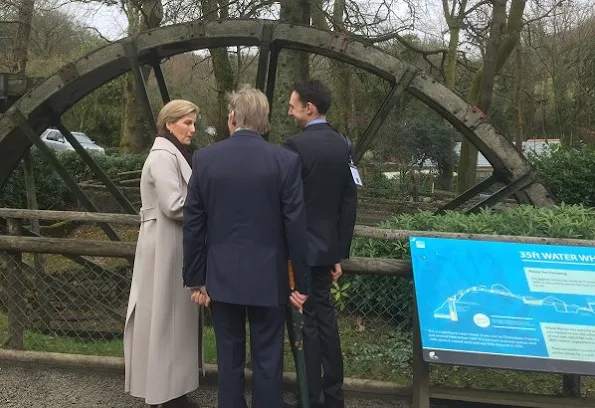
243, 217
329, 190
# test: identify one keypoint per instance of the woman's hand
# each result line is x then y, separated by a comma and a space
199, 295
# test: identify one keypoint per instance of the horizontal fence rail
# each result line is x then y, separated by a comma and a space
47, 215
402, 235
360, 230
64, 246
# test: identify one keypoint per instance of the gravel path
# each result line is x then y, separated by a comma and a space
26, 385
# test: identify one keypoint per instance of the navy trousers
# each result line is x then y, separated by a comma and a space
322, 346
266, 345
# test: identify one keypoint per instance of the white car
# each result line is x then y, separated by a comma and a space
54, 139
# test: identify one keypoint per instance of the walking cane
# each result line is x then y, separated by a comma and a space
295, 325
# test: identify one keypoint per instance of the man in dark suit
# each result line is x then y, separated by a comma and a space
244, 216
331, 202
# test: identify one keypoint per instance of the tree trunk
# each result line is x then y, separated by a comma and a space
482, 88
343, 99
137, 134
293, 66
222, 67
445, 178
454, 21
450, 63
318, 16
489, 71
21, 42
517, 100
225, 78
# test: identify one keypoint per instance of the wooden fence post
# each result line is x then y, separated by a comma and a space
43, 308
421, 369
571, 385
15, 290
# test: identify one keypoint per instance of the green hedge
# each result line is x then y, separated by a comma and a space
52, 193
568, 173
391, 298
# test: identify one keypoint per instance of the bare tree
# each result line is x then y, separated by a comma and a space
17, 62
222, 67
136, 132
562, 57
293, 66
504, 34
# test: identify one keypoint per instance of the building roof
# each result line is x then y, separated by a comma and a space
537, 146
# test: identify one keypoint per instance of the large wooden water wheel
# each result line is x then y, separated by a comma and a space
22, 124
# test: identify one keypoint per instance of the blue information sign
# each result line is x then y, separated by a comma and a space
506, 305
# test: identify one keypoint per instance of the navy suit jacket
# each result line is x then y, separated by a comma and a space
329, 191
244, 216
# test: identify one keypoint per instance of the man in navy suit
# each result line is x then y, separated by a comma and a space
331, 204
244, 217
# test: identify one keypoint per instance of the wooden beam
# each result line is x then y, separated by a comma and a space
421, 369
365, 140
165, 98
99, 173
67, 246
124, 219
403, 235
361, 231
140, 86
15, 287
64, 246
378, 266
264, 56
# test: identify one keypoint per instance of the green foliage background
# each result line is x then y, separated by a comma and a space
568, 173
392, 298
52, 193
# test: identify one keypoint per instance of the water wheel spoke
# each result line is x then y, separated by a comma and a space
365, 140
99, 173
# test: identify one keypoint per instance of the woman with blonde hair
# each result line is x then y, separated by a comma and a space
163, 330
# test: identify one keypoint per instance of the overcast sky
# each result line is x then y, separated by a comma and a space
109, 20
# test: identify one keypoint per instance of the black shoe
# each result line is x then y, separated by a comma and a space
180, 402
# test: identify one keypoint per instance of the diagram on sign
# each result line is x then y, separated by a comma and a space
495, 295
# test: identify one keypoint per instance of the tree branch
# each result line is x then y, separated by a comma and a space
547, 13
96, 31
404, 42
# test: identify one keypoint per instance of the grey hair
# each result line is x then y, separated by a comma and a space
251, 108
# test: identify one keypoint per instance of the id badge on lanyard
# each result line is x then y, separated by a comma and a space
354, 171
355, 174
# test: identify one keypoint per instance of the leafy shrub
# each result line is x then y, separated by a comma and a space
51, 191
378, 185
392, 298
568, 173
112, 164
395, 352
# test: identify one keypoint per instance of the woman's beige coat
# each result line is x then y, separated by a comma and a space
162, 334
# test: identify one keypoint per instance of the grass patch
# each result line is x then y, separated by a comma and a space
381, 353
36, 341
3, 329
374, 350
495, 379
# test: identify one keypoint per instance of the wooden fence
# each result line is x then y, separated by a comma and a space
15, 244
